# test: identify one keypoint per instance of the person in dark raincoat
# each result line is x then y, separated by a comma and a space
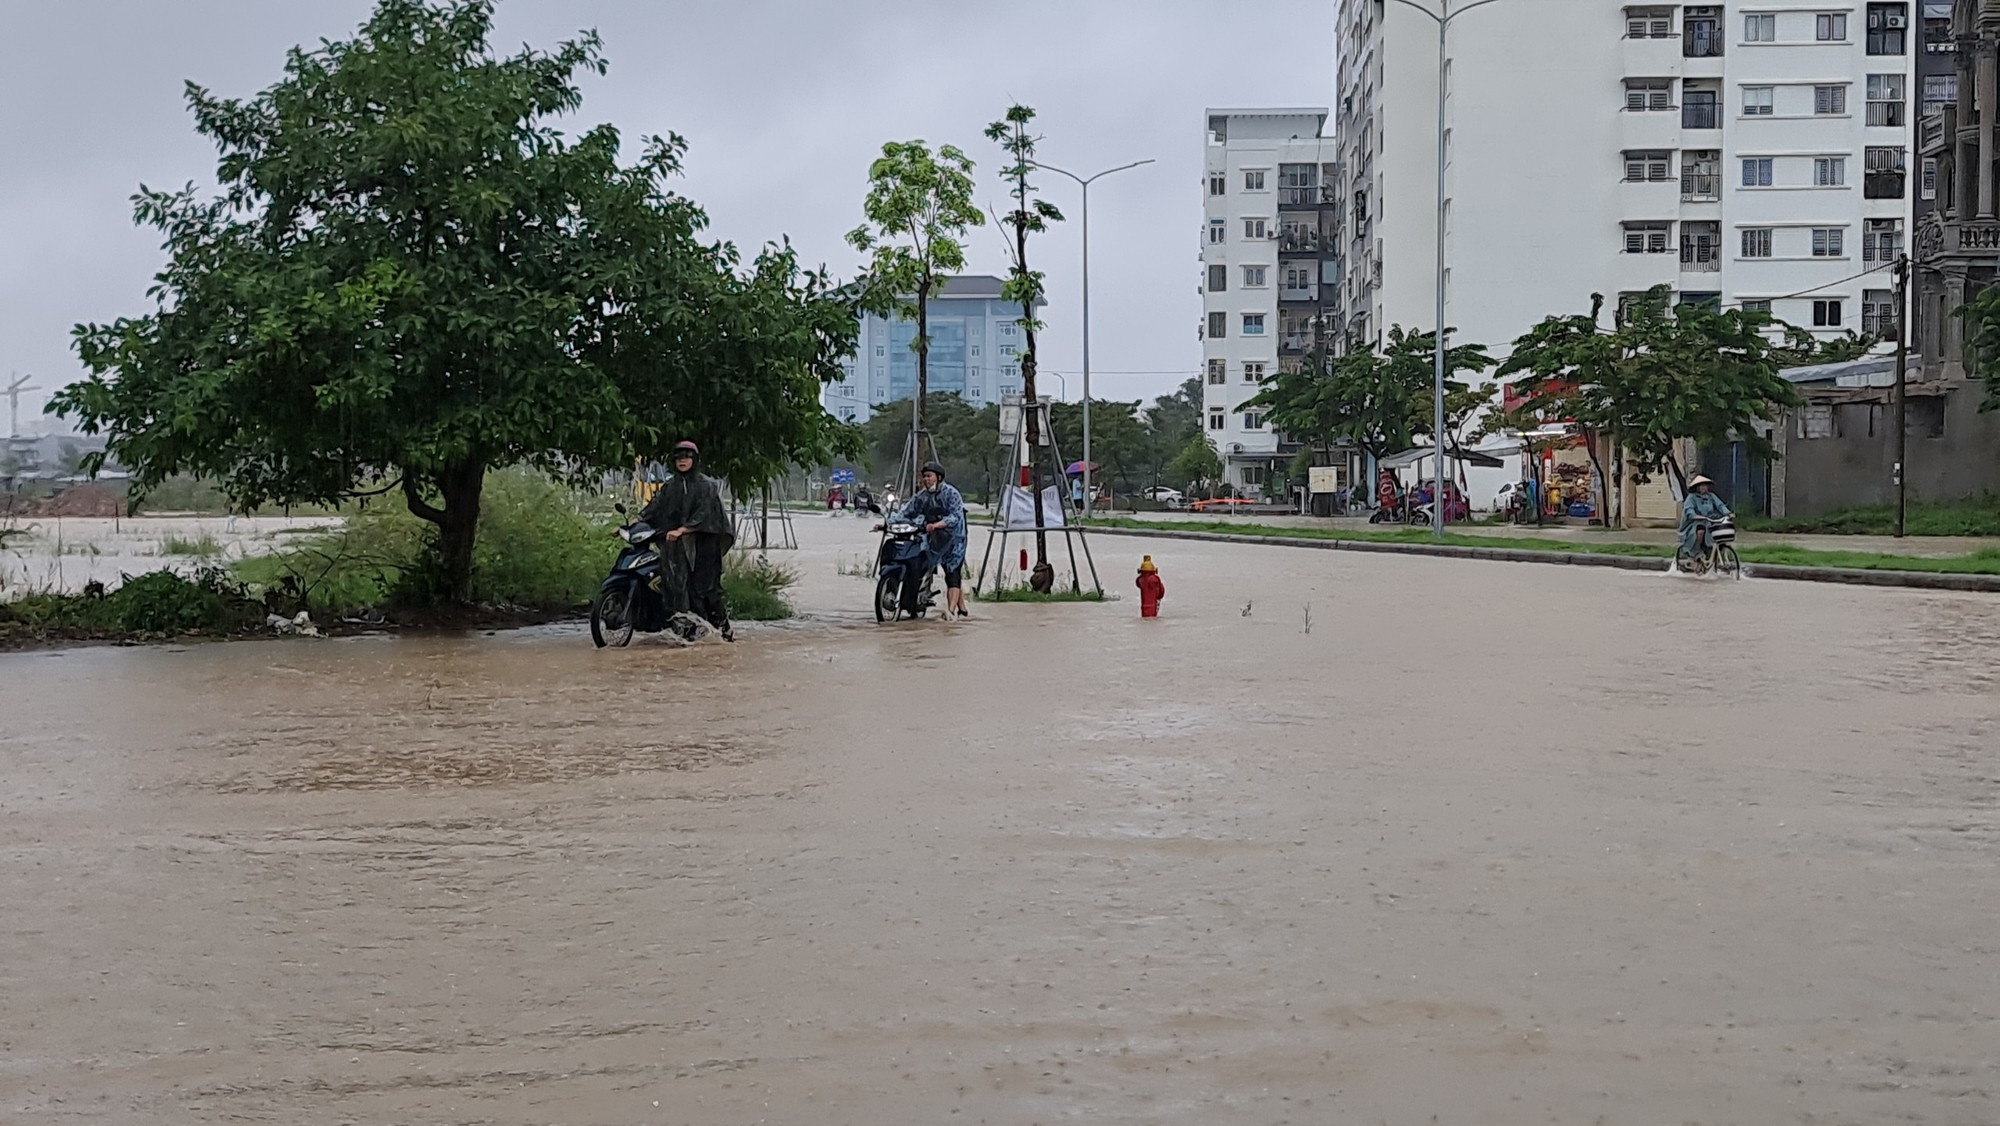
688, 508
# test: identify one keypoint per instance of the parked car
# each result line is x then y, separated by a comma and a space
1221, 504
1164, 495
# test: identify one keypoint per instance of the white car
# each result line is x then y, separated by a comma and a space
1169, 497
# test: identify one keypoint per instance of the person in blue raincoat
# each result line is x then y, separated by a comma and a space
938, 507
1701, 504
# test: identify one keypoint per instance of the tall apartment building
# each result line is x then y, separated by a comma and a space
1751, 151
1271, 222
975, 352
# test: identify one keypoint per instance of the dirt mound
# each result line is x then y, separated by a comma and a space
79, 500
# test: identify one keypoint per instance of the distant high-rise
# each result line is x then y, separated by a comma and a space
975, 352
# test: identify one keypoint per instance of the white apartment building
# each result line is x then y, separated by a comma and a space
1751, 151
976, 344
1270, 219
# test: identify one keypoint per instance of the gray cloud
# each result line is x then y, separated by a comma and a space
783, 102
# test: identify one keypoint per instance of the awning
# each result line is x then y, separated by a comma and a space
1421, 453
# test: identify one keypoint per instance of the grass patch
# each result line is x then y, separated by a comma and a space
754, 588
1974, 516
153, 605
1983, 562
203, 545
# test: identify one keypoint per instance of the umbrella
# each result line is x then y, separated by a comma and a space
1077, 467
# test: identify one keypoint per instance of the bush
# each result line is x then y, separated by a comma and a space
203, 545
754, 588
155, 604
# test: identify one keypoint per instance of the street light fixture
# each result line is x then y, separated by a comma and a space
1442, 17
1089, 496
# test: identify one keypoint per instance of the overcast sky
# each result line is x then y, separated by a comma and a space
783, 103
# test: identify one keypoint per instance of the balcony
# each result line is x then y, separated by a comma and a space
1700, 115
1700, 258
1308, 294
1294, 343
1298, 241
1298, 197
1883, 184
1700, 187
1980, 236
1701, 39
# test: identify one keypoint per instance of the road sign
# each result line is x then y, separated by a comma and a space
843, 476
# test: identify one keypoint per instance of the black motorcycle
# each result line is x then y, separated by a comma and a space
907, 570
646, 590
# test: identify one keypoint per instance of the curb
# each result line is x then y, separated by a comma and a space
1916, 580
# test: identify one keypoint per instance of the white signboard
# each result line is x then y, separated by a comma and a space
1323, 479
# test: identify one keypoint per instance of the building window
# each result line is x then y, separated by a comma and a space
1218, 230
1757, 305
1829, 242
1649, 94
1701, 249
1940, 90
1878, 313
1253, 180
1829, 100
1701, 31
1008, 350
1760, 28
1826, 314
881, 350
1928, 189
1253, 277
1701, 175
1646, 164
1757, 242
1757, 101
1253, 371
1217, 419
1252, 420
975, 351
1757, 172
1649, 23
1253, 324
1645, 238
1218, 372
1218, 279
1218, 183
1885, 99
1698, 107
1830, 27
1829, 171
1816, 421
1882, 171
1254, 229
1218, 326
1888, 26
1007, 328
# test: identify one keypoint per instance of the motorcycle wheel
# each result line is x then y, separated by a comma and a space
611, 616
887, 599
1727, 564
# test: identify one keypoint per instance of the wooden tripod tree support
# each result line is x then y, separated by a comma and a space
1073, 533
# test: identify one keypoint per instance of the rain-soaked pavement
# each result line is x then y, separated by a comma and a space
1489, 843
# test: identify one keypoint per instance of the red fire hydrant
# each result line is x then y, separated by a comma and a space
1151, 589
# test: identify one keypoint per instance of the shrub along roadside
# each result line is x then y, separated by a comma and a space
157, 604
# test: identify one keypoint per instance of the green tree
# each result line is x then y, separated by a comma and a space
1981, 316
1378, 402
410, 277
1030, 215
1197, 465
919, 208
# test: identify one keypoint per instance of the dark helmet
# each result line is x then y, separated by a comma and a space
690, 447
934, 467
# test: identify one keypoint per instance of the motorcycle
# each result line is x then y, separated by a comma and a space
907, 570
647, 585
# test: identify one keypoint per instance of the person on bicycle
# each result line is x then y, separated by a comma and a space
689, 506
1700, 508
941, 511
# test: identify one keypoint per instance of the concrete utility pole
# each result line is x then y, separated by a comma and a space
1902, 388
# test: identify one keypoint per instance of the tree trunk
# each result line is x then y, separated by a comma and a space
1603, 481
457, 523
923, 362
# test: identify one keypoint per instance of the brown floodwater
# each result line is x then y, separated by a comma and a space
1487, 843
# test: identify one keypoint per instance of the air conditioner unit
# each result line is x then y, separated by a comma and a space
1896, 21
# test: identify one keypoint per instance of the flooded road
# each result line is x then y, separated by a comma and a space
1487, 843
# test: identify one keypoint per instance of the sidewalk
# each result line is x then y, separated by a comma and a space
1929, 547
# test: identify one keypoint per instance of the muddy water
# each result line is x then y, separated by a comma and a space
1664, 851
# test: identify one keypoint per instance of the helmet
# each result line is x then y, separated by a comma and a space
934, 467
689, 447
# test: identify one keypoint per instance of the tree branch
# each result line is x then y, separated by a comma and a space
420, 507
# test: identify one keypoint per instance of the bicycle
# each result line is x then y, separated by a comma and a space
1718, 553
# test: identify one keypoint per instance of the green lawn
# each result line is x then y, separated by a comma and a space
1984, 562
1977, 516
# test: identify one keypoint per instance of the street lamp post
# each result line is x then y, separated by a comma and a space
1442, 18
1089, 495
